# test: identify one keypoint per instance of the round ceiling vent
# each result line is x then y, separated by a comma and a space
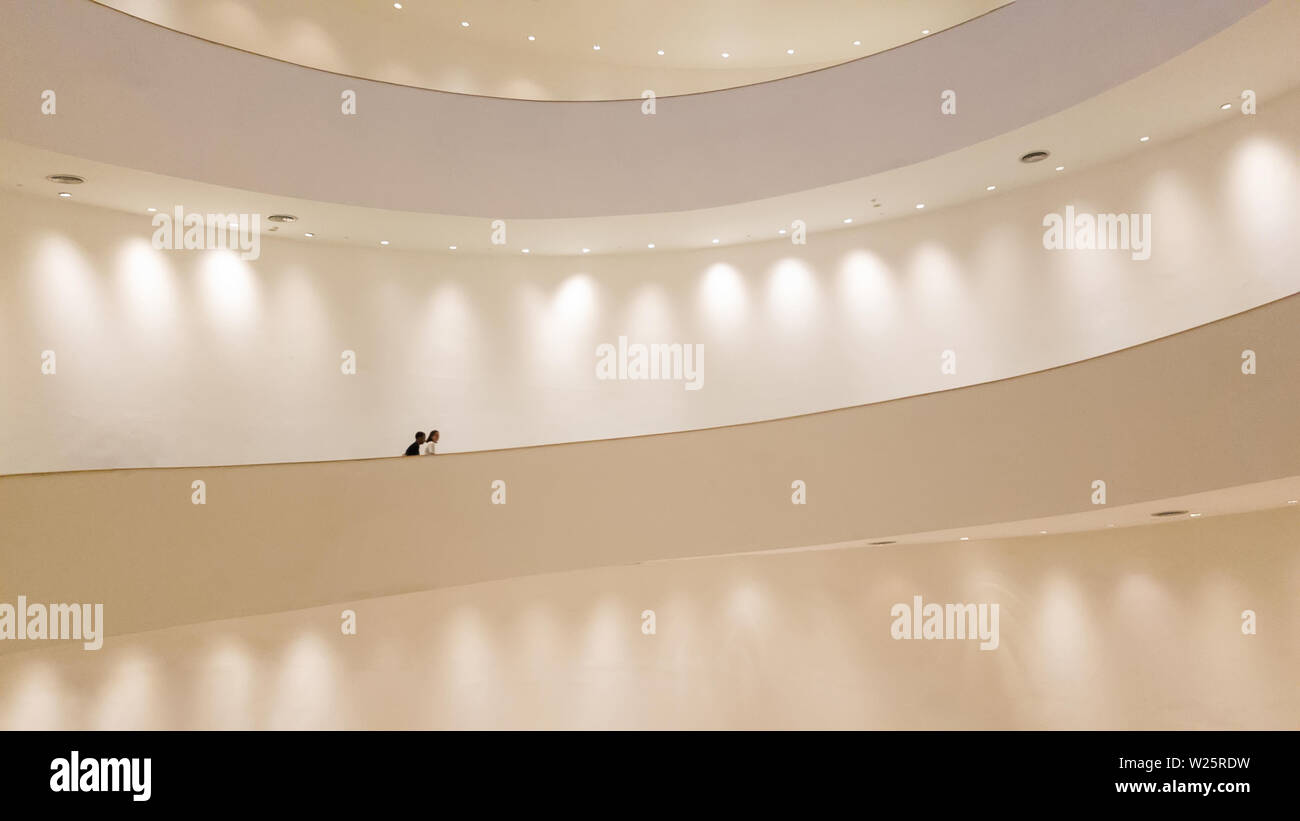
1035, 156
282, 218
1164, 513
886, 541
66, 179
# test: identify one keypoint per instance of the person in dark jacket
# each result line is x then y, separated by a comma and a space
413, 449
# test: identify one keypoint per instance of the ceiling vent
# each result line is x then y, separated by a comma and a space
1166, 513
66, 179
1035, 156
282, 218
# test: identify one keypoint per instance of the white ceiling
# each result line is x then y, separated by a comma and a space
424, 44
1271, 495
139, 96
1179, 97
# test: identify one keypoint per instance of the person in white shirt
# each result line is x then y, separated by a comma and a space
430, 444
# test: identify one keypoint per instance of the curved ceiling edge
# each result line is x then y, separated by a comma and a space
133, 94
431, 47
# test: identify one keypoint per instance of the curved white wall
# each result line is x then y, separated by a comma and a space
187, 358
1133, 628
261, 125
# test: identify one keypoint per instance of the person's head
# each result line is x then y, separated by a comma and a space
419, 436
433, 436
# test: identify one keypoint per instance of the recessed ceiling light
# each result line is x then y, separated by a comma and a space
64, 194
1060, 168
726, 54
1035, 156
282, 218
925, 31
1292, 501
1042, 533
309, 234
1195, 515
397, 5
1110, 525
595, 47
464, 24
586, 250
789, 51
1225, 106
526, 251
920, 205
965, 538
847, 220
715, 240
857, 42
531, 38
451, 247
660, 52
990, 188
1143, 139
650, 245
383, 242
151, 210
66, 179
781, 231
